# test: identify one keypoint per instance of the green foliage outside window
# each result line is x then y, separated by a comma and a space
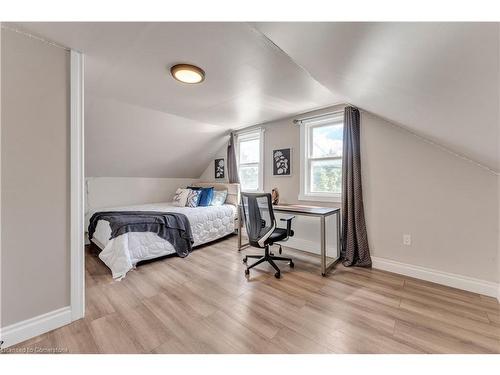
326, 178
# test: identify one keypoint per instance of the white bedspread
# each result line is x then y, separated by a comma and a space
122, 253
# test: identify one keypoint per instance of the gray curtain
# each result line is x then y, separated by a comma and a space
355, 250
232, 167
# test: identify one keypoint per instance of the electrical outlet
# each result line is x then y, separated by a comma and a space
407, 239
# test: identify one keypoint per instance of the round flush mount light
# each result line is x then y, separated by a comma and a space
187, 73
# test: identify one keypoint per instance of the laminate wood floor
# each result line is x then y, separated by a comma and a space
204, 304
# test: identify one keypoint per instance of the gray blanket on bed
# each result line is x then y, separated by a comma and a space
171, 226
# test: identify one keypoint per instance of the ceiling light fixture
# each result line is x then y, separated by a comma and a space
187, 73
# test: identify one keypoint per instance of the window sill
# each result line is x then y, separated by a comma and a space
320, 198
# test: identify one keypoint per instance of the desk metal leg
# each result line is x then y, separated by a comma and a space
339, 244
323, 246
325, 267
240, 227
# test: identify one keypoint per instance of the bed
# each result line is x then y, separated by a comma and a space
121, 254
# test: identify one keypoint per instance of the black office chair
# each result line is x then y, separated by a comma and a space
262, 230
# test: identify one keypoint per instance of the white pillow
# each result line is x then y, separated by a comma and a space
180, 197
193, 198
219, 197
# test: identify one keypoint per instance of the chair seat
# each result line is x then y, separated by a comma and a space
277, 235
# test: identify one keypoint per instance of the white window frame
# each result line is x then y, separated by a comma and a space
305, 159
248, 135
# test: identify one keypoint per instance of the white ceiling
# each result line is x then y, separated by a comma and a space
248, 81
438, 80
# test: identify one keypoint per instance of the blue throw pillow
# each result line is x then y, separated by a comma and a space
206, 195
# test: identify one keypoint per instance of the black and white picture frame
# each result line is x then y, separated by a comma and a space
282, 162
219, 168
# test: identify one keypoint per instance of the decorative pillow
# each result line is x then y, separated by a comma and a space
180, 197
219, 197
193, 198
206, 195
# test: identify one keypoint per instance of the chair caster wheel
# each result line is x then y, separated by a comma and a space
247, 272
277, 275
245, 259
292, 264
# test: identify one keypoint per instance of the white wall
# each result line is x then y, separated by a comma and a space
498, 177
498, 253
35, 178
1, 308
448, 204
102, 192
209, 172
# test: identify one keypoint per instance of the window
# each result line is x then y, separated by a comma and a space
321, 158
250, 155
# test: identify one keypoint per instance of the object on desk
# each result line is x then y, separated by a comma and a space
282, 162
262, 230
275, 196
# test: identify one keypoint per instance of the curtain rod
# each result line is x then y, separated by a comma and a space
300, 120
250, 129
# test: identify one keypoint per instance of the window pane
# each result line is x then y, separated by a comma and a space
249, 151
326, 176
249, 177
327, 141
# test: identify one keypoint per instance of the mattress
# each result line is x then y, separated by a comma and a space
122, 253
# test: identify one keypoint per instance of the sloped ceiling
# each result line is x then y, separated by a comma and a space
129, 140
438, 80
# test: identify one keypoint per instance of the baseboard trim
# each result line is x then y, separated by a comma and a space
29, 328
470, 284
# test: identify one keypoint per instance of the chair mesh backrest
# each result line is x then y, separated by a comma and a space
259, 215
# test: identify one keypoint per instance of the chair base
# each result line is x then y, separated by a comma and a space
268, 257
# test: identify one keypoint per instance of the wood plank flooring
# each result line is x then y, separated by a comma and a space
204, 304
